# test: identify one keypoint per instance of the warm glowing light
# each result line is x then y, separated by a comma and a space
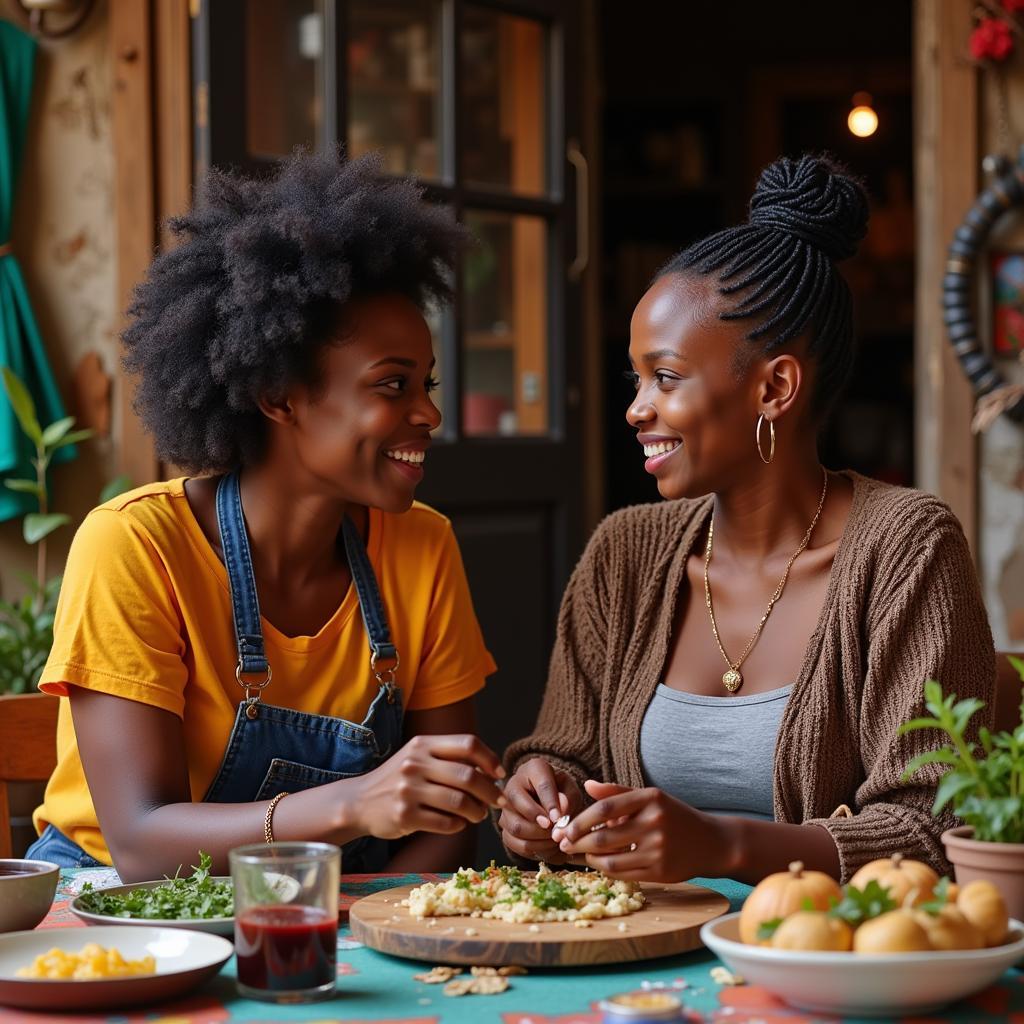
862, 119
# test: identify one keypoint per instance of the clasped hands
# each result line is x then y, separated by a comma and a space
632, 834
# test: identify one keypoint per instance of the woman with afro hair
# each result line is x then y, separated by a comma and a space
282, 640
733, 664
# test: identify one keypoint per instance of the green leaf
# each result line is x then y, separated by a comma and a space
940, 897
941, 756
1017, 663
24, 487
919, 723
38, 526
766, 929
952, 784
860, 905
24, 407
73, 438
56, 430
117, 486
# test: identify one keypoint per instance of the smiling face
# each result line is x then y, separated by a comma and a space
362, 432
698, 393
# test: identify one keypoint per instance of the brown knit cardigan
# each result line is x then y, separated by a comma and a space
903, 605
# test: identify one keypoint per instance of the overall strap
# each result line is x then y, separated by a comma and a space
384, 656
245, 605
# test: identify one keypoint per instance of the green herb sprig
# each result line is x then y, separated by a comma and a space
984, 785
198, 897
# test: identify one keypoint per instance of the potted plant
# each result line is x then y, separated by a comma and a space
26, 624
984, 784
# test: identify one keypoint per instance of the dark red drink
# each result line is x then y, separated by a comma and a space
286, 949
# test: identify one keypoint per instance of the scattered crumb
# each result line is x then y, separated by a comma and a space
581, 922
437, 975
623, 926
657, 919
396, 917
404, 903
448, 931
534, 928
512, 970
488, 985
471, 932
432, 923
482, 985
723, 976
424, 1001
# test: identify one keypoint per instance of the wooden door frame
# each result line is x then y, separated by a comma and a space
946, 140
150, 59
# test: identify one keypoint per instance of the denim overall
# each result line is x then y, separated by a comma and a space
275, 750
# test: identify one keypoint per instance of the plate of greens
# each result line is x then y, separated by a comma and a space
201, 902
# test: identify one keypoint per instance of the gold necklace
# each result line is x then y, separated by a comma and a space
732, 680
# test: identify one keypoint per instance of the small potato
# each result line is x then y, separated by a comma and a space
813, 930
894, 932
982, 904
949, 929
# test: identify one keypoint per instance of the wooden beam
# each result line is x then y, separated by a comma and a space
946, 184
131, 59
172, 41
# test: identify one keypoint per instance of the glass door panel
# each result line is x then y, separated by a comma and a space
283, 44
394, 84
505, 332
504, 101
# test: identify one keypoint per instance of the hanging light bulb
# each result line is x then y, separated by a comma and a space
862, 119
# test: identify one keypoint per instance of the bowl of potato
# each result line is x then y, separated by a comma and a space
897, 939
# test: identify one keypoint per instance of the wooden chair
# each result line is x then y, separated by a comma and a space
1008, 694
28, 749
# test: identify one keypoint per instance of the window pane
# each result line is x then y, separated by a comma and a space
283, 67
503, 76
505, 363
394, 83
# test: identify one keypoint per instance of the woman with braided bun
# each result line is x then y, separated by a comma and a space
732, 664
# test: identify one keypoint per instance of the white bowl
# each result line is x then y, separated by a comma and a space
213, 925
863, 984
26, 894
184, 960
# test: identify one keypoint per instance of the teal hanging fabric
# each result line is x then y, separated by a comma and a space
21, 348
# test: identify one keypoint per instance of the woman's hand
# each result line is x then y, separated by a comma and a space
433, 784
538, 795
643, 835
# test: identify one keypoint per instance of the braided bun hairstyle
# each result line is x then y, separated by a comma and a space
806, 216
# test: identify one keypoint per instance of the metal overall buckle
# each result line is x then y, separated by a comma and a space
385, 673
253, 691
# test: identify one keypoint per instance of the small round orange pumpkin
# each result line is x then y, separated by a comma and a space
900, 876
784, 893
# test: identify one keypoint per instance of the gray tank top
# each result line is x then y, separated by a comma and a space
714, 753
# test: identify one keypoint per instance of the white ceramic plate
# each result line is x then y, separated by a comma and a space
184, 960
863, 985
213, 925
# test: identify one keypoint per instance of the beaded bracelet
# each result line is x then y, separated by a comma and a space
268, 831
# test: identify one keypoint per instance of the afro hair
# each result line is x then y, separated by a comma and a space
243, 306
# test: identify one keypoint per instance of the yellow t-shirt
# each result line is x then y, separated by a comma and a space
145, 613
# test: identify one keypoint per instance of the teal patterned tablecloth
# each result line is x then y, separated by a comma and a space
381, 989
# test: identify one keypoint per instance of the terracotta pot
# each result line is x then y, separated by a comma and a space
1000, 863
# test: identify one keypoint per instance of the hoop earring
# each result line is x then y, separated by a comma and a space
771, 435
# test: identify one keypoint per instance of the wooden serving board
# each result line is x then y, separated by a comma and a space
669, 923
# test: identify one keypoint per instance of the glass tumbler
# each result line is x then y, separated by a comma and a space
286, 920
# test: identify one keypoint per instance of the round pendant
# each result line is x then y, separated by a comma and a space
732, 680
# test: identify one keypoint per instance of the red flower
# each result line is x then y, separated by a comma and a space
992, 39
1013, 6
